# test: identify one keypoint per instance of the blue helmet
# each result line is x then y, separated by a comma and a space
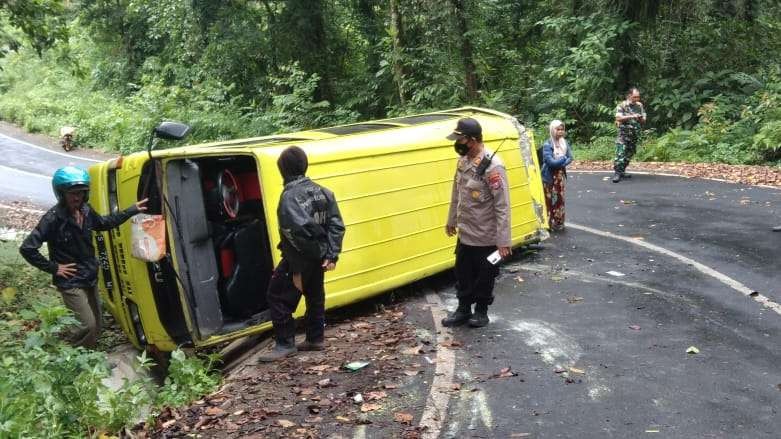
68, 177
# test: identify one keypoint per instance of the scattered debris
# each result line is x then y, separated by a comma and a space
356, 365
574, 299
505, 372
576, 370
616, 273
692, 350
402, 417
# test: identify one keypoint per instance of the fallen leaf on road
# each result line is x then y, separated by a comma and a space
390, 386
404, 418
284, 423
415, 350
692, 350
635, 327
214, 411
321, 368
411, 373
559, 370
373, 396
456, 386
574, 299
616, 273
325, 383
505, 372
369, 407
238, 413
451, 344
576, 370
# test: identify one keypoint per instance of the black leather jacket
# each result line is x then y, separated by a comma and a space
67, 242
310, 224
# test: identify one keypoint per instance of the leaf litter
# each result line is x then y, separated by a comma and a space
312, 394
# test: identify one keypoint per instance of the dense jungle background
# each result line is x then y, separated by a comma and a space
708, 69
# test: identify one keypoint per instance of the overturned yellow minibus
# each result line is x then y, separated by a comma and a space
392, 179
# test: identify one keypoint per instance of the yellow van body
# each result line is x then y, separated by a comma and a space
392, 179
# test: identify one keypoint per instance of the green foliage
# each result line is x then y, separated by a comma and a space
237, 69
189, 378
51, 389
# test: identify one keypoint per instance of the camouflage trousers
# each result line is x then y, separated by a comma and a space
624, 153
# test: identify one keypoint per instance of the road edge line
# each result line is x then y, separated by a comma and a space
435, 411
49, 150
721, 277
667, 174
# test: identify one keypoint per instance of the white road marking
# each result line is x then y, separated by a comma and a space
560, 351
360, 432
472, 406
70, 156
702, 268
435, 413
31, 174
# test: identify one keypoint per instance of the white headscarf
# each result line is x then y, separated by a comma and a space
560, 145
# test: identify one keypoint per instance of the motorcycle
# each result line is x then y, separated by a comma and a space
66, 138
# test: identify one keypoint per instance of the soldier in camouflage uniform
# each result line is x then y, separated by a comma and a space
480, 214
630, 116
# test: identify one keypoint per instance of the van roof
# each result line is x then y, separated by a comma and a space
352, 139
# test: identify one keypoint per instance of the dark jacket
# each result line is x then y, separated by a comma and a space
310, 224
67, 243
550, 164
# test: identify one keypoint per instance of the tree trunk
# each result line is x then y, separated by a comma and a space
397, 38
470, 75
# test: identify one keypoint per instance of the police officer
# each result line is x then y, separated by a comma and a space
67, 229
311, 231
480, 215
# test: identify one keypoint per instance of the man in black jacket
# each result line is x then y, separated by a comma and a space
311, 231
67, 230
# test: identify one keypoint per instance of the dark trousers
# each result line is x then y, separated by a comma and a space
283, 298
475, 276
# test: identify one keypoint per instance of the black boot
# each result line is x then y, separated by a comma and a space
624, 175
311, 346
616, 177
458, 317
480, 317
282, 348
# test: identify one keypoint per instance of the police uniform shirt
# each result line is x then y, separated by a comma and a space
480, 205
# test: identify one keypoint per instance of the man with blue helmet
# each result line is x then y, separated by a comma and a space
67, 230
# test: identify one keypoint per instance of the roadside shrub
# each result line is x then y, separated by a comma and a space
51, 389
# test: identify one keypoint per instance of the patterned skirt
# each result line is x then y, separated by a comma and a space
554, 199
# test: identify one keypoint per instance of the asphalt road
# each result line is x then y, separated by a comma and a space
26, 170
590, 330
597, 327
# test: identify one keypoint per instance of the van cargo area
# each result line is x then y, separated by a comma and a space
220, 241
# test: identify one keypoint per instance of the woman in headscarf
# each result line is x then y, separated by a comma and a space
556, 155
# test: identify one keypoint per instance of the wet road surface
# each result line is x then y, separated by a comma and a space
595, 330
26, 170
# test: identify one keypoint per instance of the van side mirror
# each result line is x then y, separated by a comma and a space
168, 130
171, 130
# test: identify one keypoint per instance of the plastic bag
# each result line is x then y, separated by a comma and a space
147, 235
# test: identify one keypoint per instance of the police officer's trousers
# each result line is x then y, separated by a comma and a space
475, 276
283, 298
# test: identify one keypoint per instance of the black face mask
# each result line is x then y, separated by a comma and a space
461, 148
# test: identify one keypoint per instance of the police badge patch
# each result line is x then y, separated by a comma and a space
495, 180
